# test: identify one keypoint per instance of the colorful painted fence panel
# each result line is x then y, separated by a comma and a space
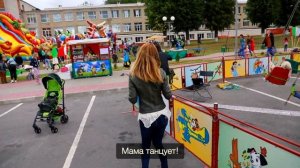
240, 149
217, 68
277, 60
296, 57
176, 80
189, 70
235, 68
258, 66
193, 128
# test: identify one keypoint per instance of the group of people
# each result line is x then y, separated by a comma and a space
247, 46
14, 63
10, 64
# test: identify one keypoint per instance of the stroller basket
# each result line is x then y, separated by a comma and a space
48, 104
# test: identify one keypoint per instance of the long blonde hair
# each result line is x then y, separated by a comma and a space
147, 64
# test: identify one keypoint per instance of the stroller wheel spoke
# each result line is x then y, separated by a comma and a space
54, 130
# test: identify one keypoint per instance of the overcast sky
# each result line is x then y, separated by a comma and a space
67, 3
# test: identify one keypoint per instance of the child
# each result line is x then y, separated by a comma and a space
286, 43
126, 58
35, 64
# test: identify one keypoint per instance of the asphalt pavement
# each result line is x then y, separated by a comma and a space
108, 123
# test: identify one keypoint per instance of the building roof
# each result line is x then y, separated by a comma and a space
30, 5
97, 6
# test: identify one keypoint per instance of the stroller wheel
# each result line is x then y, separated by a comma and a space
54, 130
64, 119
37, 130
50, 121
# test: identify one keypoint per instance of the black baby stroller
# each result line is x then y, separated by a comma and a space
52, 108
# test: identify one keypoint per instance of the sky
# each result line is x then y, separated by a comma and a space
41, 4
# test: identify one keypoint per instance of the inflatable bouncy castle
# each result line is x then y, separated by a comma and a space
15, 38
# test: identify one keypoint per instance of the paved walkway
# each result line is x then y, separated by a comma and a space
30, 89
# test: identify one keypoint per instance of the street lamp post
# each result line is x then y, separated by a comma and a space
165, 19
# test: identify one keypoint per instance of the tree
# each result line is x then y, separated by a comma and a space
286, 8
155, 10
263, 12
187, 14
218, 14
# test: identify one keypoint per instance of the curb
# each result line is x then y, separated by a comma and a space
36, 98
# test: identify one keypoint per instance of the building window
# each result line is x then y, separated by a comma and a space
137, 13
116, 28
81, 29
192, 36
56, 17
138, 27
127, 27
92, 15
80, 16
200, 35
246, 23
239, 9
210, 35
126, 13
71, 30
103, 14
68, 16
44, 18
46, 32
148, 28
31, 19
115, 13
138, 39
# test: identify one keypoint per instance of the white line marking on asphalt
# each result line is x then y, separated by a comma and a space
74, 146
1, 115
266, 94
256, 109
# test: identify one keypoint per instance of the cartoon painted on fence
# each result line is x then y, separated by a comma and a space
192, 70
175, 79
190, 128
193, 129
234, 68
239, 149
216, 67
250, 158
277, 60
258, 66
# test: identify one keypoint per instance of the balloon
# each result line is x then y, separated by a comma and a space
62, 37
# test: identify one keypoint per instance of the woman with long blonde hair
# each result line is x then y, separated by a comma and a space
147, 84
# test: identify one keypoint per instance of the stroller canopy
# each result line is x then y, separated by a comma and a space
55, 80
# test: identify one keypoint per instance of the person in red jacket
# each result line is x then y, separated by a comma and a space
61, 53
252, 46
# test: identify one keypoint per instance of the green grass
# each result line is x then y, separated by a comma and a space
215, 47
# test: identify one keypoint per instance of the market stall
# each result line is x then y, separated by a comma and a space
90, 57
